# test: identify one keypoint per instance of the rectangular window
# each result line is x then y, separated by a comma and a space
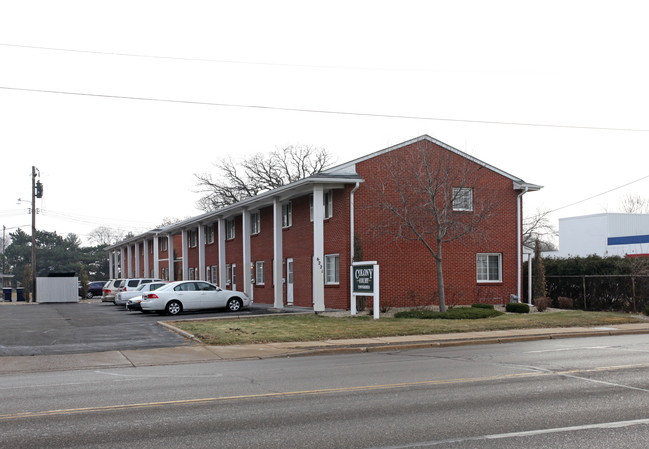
287, 214
228, 274
192, 238
229, 229
215, 274
162, 241
209, 234
327, 202
462, 199
259, 272
332, 269
191, 274
255, 225
489, 267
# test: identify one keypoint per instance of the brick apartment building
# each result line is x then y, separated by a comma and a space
294, 245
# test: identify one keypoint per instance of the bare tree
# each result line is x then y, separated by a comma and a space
634, 204
538, 227
235, 181
432, 196
104, 235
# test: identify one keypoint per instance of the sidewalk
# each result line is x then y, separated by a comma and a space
204, 353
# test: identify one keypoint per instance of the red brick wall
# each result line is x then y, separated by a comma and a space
261, 249
407, 269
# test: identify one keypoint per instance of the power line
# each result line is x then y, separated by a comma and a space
322, 111
599, 194
230, 61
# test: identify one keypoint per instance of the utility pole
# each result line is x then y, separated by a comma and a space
33, 298
37, 192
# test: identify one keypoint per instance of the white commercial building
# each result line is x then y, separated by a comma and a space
604, 235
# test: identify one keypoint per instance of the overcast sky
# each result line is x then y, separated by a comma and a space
119, 103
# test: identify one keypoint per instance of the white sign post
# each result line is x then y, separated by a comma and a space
364, 281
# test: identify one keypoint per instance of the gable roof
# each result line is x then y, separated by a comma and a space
349, 167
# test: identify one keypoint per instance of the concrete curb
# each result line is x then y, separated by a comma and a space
205, 353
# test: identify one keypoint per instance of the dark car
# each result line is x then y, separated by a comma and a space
94, 289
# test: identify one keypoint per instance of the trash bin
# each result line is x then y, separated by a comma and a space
7, 293
20, 293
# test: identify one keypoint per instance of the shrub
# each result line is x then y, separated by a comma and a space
517, 307
646, 310
566, 303
460, 313
542, 303
482, 306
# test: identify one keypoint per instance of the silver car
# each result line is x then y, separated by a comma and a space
175, 297
123, 297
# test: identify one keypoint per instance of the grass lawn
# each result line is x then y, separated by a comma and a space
278, 328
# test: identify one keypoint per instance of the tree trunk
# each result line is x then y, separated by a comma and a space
440, 278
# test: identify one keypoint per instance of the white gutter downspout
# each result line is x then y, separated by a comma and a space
351, 220
519, 227
352, 302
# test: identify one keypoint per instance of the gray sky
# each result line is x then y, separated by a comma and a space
119, 103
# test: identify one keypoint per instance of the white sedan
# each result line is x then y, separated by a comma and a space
175, 297
122, 298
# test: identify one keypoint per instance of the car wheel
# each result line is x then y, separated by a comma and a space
89, 295
234, 304
173, 308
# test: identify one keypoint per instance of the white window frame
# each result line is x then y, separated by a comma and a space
463, 199
229, 229
259, 272
332, 278
162, 241
328, 203
287, 214
192, 238
209, 234
328, 200
228, 274
255, 223
483, 272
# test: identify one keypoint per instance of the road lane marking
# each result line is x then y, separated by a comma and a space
525, 433
106, 408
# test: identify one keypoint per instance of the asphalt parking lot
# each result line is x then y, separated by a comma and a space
70, 328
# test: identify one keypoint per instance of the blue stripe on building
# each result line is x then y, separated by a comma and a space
628, 240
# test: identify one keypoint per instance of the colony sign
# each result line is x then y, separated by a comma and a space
363, 279
365, 282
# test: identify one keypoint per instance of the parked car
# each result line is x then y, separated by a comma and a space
95, 288
110, 290
134, 283
175, 297
123, 297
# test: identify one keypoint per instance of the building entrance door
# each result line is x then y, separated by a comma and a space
289, 281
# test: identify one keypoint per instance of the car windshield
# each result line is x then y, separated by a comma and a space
141, 287
119, 282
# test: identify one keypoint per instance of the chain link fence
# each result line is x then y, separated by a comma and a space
628, 293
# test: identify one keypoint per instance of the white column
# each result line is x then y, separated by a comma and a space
156, 256
111, 267
122, 272
170, 251
318, 249
185, 259
247, 286
137, 260
201, 252
129, 261
145, 249
221, 240
278, 256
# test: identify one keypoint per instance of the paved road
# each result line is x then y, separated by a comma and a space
69, 328
590, 393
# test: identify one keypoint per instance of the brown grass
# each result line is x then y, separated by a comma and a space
280, 328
